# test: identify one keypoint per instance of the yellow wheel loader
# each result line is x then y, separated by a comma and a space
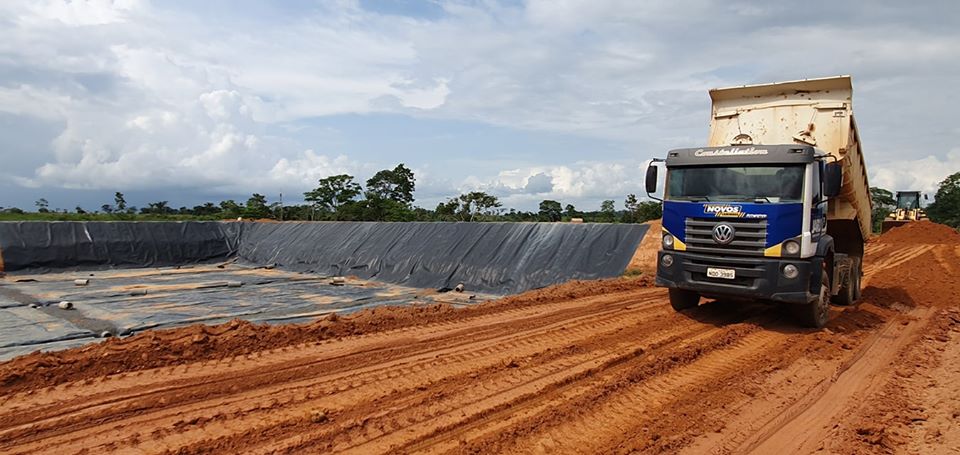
908, 210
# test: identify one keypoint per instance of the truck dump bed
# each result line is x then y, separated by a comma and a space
817, 112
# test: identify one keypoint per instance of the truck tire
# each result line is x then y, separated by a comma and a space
816, 314
857, 277
681, 299
847, 294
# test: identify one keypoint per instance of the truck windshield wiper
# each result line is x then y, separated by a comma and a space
698, 198
761, 198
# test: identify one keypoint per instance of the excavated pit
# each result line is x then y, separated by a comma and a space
139, 276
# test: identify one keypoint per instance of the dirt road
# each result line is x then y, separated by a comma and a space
594, 367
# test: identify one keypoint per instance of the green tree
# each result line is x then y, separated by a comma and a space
107, 208
632, 206
945, 208
207, 209
883, 204
649, 210
230, 209
550, 211
334, 191
361, 210
257, 207
388, 196
608, 213
571, 212
476, 203
119, 202
80, 210
157, 208
641, 212
448, 211
397, 184
42, 205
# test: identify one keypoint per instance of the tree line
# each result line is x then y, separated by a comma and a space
386, 196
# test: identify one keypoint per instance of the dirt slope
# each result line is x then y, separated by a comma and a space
644, 260
601, 367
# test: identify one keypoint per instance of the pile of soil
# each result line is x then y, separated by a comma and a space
923, 232
644, 261
916, 408
160, 348
924, 279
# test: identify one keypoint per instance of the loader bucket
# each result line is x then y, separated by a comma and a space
890, 224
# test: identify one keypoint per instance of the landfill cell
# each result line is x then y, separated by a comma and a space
590, 367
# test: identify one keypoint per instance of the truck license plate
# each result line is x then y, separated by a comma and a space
727, 274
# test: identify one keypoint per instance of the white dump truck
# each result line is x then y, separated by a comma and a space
775, 206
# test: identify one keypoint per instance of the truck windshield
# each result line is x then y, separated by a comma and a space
741, 183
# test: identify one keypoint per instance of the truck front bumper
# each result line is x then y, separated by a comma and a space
756, 278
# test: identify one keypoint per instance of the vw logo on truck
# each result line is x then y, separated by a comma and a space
723, 233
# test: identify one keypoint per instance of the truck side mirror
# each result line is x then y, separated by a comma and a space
925, 198
833, 180
651, 179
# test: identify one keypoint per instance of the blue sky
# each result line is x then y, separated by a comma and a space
529, 100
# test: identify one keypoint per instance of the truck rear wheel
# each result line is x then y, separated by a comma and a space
857, 277
681, 299
847, 295
815, 314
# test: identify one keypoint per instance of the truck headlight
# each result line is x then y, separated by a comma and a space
667, 242
666, 260
790, 271
792, 248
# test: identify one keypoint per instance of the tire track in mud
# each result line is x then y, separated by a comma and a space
898, 257
805, 406
800, 427
367, 345
595, 321
501, 414
868, 370
372, 427
634, 401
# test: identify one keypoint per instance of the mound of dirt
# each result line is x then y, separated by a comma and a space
920, 232
159, 348
644, 259
927, 275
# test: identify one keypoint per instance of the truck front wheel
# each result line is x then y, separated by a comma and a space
682, 299
815, 314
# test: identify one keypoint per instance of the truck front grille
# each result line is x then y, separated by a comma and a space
748, 271
749, 239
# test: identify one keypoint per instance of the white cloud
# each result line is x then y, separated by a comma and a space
923, 174
310, 167
26, 100
153, 97
583, 183
80, 12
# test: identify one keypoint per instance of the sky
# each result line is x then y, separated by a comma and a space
567, 100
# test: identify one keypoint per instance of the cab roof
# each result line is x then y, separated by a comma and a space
743, 154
